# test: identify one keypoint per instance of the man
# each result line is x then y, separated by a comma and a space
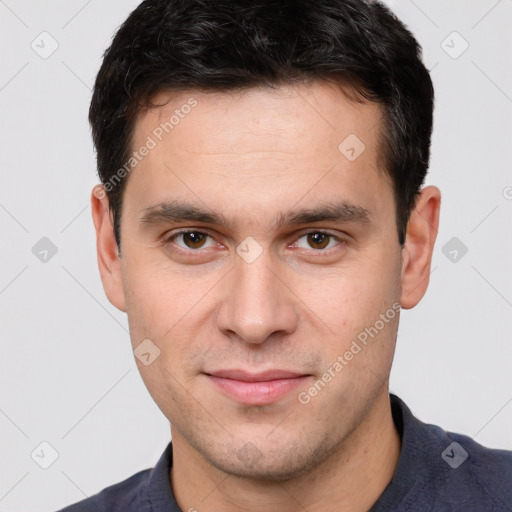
261, 221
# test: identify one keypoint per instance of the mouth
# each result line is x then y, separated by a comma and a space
262, 388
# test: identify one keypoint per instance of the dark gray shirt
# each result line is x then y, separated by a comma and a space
437, 471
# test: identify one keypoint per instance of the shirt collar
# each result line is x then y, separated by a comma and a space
414, 449
160, 497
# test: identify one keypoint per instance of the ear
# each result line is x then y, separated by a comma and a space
109, 260
419, 245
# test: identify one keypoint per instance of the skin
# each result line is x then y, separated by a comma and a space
297, 306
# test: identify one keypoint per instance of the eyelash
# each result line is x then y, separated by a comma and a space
170, 239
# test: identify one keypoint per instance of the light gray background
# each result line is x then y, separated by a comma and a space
68, 375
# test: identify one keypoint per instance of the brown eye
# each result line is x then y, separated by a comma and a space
318, 240
191, 240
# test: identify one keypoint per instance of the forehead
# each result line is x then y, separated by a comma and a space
260, 148
321, 112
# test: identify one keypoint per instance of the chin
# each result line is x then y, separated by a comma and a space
269, 462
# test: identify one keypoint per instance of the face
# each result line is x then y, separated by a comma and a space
260, 257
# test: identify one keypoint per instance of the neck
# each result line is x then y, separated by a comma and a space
351, 479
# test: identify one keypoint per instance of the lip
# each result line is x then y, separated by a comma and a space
261, 388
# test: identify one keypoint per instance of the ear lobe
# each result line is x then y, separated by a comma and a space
419, 246
109, 261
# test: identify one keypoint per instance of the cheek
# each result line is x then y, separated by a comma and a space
359, 346
351, 297
158, 296
160, 309
171, 308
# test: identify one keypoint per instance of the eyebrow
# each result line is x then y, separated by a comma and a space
179, 211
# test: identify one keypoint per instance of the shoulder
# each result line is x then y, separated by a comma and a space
128, 495
454, 472
144, 491
483, 474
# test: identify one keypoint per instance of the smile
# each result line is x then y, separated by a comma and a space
256, 389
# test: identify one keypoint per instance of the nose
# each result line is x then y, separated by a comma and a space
257, 302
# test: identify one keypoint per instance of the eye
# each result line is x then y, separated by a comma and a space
190, 240
317, 240
194, 240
